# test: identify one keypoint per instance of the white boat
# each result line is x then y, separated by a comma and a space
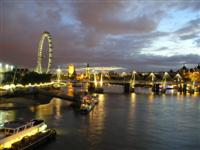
15, 131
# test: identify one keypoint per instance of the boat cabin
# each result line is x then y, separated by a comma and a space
14, 127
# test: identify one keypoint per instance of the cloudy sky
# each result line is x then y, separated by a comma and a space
141, 35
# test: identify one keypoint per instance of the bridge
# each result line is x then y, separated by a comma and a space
96, 84
138, 82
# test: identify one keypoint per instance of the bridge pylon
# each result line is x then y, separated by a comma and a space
178, 79
96, 85
131, 85
164, 83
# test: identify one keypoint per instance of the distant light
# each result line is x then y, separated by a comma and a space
134, 72
0, 65
166, 74
58, 70
11, 67
7, 66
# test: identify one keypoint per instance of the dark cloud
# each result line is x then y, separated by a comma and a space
109, 17
155, 63
162, 48
186, 37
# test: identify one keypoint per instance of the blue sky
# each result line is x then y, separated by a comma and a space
172, 44
140, 35
176, 19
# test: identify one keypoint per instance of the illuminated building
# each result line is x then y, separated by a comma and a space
71, 70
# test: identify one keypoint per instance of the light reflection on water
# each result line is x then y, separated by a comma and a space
51, 108
70, 90
131, 114
6, 116
96, 119
122, 121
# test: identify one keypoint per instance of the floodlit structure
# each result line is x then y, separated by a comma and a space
133, 78
71, 70
58, 72
152, 75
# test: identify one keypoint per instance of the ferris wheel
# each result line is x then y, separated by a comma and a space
45, 35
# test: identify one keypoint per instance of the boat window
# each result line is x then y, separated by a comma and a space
29, 125
22, 128
11, 131
2, 130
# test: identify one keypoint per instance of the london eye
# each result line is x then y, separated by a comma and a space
39, 68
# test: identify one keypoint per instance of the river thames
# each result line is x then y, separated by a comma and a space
120, 122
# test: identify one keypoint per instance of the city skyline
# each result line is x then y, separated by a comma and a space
152, 35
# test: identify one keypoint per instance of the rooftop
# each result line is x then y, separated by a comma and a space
15, 124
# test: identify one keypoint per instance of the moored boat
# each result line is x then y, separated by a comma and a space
88, 103
15, 131
33, 142
95, 98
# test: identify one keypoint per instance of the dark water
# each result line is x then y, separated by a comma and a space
121, 122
